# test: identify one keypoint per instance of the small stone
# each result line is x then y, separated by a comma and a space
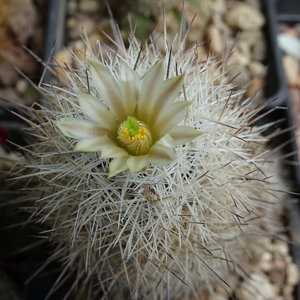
245, 17
239, 75
288, 258
217, 7
244, 48
252, 37
288, 292
256, 42
22, 19
255, 88
71, 23
203, 296
258, 287
291, 69
257, 69
202, 52
22, 86
210, 8
72, 7
289, 45
265, 263
292, 274
259, 50
229, 44
78, 26
223, 27
281, 247
215, 38
63, 58
254, 3
277, 274
79, 49
292, 32
89, 6
238, 58
94, 38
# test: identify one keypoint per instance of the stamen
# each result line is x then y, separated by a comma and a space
135, 137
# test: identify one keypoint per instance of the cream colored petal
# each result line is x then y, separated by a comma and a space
103, 144
113, 152
97, 111
108, 88
161, 155
167, 93
137, 163
117, 165
183, 134
167, 141
149, 88
94, 144
129, 85
78, 128
168, 118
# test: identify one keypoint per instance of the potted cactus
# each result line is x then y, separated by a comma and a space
151, 174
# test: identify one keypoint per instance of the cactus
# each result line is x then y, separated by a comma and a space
180, 216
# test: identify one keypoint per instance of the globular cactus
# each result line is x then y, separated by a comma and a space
154, 182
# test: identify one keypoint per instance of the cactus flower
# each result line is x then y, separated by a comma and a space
133, 120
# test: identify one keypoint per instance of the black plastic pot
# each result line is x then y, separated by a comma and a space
289, 12
55, 34
275, 88
10, 125
38, 288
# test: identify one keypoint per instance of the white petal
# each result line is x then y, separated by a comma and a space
137, 163
167, 141
183, 134
160, 155
97, 111
78, 128
129, 86
94, 144
117, 165
168, 118
103, 144
168, 92
150, 87
108, 89
113, 152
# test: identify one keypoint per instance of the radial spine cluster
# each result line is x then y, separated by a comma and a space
152, 180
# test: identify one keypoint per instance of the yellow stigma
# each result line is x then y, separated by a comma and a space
136, 142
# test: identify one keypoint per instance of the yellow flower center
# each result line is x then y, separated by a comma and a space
135, 137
